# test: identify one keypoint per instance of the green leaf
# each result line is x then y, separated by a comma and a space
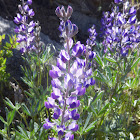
135, 63
3, 132
103, 78
3, 36
11, 116
9, 103
25, 109
110, 59
99, 61
1, 118
23, 132
97, 96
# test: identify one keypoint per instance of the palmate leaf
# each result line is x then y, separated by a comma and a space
91, 126
88, 125
87, 120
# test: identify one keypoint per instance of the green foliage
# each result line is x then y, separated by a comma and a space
6, 52
27, 117
110, 110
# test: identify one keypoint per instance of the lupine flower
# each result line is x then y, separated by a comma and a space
25, 30
120, 30
69, 79
48, 124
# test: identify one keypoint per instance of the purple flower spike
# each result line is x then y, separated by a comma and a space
73, 126
75, 115
48, 124
57, 113
74, 75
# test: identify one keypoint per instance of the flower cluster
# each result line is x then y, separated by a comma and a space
121, 29
25, 28
70, 78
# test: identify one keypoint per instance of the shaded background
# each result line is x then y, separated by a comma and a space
86, 13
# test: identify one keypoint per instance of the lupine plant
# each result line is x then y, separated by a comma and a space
75, 106
70, 78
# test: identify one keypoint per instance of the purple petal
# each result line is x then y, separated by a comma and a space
64, 56
75, 115
48, 124
59, 12
78, 49
57, 113
132, 11
61, 65
26, 8
31, 13
29, 2
69, 136
69, 11
73, 126
56, 83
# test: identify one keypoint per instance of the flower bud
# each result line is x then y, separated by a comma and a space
69, 11
59, 12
